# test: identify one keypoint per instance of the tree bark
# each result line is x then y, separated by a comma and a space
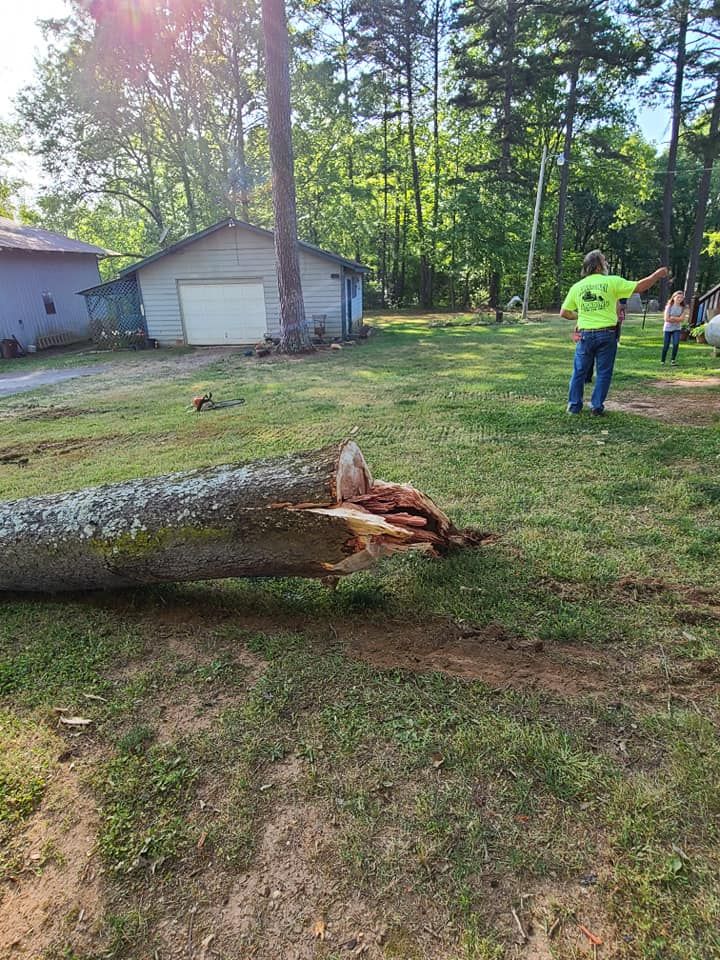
709, 154
315, 514
386, 161
436, 21
509, 70
241, 99
667, 210
417, 193
294, 335
347, 106
453, 228
570, 110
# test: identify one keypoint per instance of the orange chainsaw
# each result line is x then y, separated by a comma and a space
206, 402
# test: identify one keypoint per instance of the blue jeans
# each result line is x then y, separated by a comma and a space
594, 347
670, 336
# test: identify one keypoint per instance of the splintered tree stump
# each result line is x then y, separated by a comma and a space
314, 514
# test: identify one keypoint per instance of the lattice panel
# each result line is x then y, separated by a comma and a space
116, 317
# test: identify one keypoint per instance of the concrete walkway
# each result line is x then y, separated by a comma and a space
23, 382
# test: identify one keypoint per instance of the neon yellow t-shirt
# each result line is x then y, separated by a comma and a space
595, 299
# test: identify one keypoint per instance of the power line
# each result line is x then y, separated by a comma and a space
662, 173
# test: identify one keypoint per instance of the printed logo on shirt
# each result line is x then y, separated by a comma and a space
593, 299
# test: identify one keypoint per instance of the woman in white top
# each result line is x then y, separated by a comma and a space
674, 314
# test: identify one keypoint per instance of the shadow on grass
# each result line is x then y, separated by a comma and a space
487, 586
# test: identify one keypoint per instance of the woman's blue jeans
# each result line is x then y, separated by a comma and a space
594, 347
670, 336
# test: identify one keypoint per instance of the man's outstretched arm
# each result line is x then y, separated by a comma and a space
642, 285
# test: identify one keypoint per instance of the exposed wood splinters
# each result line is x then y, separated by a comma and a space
308, 515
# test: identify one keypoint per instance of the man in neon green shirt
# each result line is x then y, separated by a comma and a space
592, 304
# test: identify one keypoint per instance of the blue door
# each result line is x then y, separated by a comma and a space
348, 306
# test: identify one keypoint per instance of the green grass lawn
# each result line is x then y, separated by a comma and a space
274, 769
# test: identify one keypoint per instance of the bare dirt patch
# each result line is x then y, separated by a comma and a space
490, 654
473, 652
59, 413
23, 451
196, 706
688, 409
565, 920
53, 898
195, 714
697, 383
291, 903
486, 652
504, 662
36, 411
651, 586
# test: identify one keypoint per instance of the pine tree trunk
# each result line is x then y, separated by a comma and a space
347, 106
453, 229
403, 254
437, 18
400, 191
240, 158
564, 180
709, 155
667, 210
509, 54
494, 289
417, 195
309, 515
384, 254
395, 274
294, 335
189, 199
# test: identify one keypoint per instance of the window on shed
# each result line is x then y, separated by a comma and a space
49, 303
354, 287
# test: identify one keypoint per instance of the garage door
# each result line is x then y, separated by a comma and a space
223, 313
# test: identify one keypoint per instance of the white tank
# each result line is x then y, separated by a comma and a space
712, 332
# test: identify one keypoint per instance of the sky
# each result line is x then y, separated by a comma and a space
23, 41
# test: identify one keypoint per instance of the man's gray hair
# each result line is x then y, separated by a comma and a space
592, 261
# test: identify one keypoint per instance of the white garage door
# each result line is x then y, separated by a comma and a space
218, 313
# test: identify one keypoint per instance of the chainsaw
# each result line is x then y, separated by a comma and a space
206, 402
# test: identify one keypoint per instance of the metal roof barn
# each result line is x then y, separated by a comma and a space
40, 274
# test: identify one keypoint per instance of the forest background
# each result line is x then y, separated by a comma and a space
418, 128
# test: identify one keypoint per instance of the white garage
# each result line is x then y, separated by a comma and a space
220, 286
215, 312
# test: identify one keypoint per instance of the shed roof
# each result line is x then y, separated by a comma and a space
242, 224
19, 236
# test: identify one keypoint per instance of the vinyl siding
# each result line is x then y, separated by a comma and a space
25, 276
235, 254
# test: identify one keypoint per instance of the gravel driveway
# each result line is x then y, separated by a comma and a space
162, 363
22, 382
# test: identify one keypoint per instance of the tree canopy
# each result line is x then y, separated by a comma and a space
417, 132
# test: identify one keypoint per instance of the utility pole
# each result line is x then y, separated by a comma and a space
533, 236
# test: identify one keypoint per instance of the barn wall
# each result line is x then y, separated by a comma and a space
25, 276
232, 253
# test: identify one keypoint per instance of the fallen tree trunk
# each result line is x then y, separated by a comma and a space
315, 514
